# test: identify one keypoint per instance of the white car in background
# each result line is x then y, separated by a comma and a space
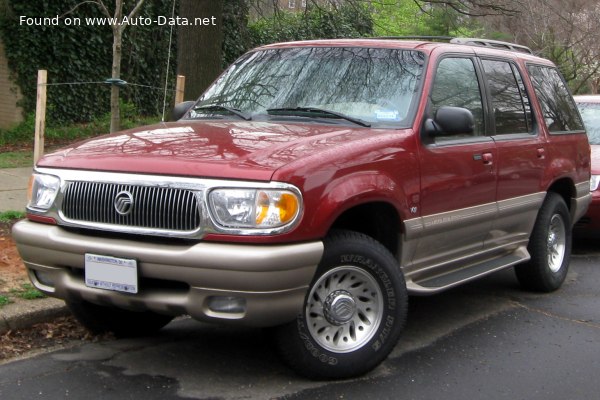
589, 107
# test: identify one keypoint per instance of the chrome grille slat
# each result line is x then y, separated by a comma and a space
162, 208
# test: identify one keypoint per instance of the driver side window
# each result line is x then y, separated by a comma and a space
456, 85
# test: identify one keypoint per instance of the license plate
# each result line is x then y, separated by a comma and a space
111, 273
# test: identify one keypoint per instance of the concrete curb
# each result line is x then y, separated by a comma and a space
23, 314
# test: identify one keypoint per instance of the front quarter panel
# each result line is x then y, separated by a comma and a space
380, 168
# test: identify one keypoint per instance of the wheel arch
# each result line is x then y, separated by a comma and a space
565, 187
378, 219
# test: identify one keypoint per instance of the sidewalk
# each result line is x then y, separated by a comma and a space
13, 188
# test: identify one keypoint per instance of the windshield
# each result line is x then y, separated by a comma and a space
590, 112
377, 86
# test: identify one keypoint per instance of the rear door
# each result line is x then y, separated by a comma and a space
521, 153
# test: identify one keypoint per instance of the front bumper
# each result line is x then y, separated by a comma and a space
176, 279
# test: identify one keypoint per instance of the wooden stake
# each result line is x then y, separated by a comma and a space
179, 89
40, 116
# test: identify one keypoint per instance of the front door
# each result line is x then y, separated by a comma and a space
458, 173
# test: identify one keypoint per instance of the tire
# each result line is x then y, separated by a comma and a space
122, 323
353, 314
549, 247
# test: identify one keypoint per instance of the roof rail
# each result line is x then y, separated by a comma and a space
496, 44
419, 37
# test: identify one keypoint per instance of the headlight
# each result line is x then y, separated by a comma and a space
42, 191
594, 181
254, 208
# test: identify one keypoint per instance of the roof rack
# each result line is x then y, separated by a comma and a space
419, 37
496, 44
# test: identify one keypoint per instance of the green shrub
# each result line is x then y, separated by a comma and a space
76, 54
316, 23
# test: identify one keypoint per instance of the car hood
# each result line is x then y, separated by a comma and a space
244, 150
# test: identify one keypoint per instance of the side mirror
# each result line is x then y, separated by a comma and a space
450, 121
180, 109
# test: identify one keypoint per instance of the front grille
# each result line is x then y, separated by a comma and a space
148, 207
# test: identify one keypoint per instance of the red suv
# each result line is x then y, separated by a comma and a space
313, 188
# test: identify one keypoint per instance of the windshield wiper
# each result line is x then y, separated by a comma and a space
316, 110
215, 107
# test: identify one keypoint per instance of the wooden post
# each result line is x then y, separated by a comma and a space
179, 89
40, 116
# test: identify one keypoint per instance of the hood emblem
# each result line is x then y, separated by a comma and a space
124, 203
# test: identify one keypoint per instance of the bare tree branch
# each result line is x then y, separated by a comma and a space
96, 2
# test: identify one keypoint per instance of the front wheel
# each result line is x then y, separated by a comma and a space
353, 313
549, 246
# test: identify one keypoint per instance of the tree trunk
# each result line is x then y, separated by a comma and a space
199, 47
115, 111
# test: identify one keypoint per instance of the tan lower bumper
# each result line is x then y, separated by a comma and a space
176, 279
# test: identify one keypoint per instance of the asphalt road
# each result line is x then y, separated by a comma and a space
487, 340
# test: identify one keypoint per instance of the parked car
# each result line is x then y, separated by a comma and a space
589, 107
313, 188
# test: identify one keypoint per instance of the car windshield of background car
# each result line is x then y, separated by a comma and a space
590, 112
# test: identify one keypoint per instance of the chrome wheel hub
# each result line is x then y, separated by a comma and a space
344, 309
339, 307
556, 244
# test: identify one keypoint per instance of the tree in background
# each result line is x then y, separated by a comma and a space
315, 22
565, 32
199, 47
410, 18
78, 54
116, 18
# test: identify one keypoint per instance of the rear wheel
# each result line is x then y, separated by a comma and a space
122, 323
353, 314
549, 246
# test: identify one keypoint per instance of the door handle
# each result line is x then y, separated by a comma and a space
541, 153
487, 158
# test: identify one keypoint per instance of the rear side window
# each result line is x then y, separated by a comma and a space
510, 103
557, 104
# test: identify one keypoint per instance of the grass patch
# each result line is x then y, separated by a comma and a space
4, 301
27, 292
23, 133
16, 143
10, 216
16, 159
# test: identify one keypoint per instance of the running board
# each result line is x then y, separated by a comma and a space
439, 283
